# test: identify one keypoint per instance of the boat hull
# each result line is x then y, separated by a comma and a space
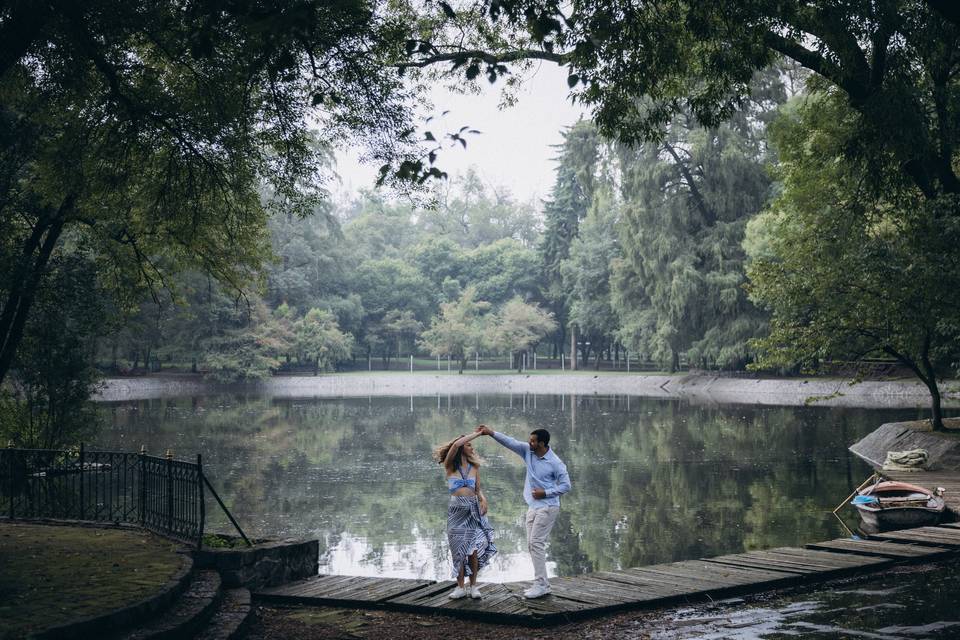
898, 505
878, 521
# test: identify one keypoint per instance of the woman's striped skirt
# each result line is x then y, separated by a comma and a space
468, 531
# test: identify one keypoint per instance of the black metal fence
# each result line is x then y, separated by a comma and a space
160, 494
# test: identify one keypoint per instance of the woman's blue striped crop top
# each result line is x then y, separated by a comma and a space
463, 480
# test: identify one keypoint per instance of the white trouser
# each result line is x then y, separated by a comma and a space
539, 523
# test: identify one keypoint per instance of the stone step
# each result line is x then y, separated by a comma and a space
187, 615
230, 620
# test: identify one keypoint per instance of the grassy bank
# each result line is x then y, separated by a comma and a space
52, 575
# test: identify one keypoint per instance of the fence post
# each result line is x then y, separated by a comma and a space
169, 457
203, 507
10, 477
83, 506
142, 507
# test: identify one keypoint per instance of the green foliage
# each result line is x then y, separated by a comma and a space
852, 262
47, 403
686, 201
246, 353
518, 326
459, 330
587, 272
318, 340
569, 200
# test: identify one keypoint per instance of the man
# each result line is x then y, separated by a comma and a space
546, 481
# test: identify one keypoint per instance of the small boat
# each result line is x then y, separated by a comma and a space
890, 505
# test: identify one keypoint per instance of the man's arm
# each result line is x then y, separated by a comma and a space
563, 482
516, 446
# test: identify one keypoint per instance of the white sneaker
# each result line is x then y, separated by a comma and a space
457, 593
536, 591
475, 593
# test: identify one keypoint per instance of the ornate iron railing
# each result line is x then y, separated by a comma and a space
160, 494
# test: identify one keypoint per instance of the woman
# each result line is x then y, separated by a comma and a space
468, 531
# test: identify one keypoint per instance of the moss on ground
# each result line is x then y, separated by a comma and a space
54, 574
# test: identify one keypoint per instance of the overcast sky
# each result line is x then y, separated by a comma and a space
514, 149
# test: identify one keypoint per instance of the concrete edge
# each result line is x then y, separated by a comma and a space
694, 387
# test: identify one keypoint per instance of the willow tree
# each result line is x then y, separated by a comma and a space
143, 130
686, 201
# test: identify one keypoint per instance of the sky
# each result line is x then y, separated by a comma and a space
513, 149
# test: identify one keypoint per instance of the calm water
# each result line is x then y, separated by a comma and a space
653, 480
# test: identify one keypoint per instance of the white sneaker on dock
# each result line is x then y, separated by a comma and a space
536, 591
457, 593
475, 593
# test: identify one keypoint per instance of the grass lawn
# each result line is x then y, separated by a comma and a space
50, 575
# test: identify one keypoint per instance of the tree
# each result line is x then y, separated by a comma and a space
247, 353
850, 259
892, 62
569, 200
459, 329
686, 202
318, 340
145, 129
587, 272
386, 286
502, 270
45, 405
519, 326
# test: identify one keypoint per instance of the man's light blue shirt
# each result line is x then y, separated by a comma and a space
547, 473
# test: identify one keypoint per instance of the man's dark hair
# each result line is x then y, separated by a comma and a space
542, 435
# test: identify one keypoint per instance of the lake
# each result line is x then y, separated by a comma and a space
654, 480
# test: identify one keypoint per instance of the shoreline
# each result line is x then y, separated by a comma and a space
696, 388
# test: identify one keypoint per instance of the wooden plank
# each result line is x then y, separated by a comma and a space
879, 548
650, 586
657, 585
826, 559
608, 589
296, 587
749, 562
373, 590
425, 593
717, 575
931, 536
723, 577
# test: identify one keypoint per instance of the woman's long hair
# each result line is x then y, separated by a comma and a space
440, 454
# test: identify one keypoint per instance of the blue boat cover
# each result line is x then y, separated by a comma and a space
864, 500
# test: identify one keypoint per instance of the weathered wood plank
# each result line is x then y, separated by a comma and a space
825, 559
649, 587
931, 536
656, 585
879, 548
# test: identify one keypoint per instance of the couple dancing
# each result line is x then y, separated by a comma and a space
468, 531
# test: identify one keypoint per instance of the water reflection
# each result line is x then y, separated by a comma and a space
654, 480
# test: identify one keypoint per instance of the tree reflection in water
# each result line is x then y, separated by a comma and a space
654, 480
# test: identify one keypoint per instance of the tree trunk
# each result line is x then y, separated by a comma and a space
935, 408
26, 280
463, 364
930, 379
674, 361
573, 348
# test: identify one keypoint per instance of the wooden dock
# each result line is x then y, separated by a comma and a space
660, 585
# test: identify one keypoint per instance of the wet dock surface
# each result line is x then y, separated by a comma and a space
677, 583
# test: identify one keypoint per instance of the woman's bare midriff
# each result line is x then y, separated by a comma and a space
464, 491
